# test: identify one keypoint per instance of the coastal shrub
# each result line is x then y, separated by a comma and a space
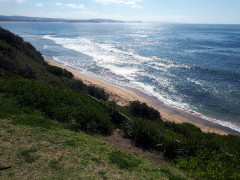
59, 71
173, 145
151, 135
10, 38
142, 110
117, 118
7, 63
9, 60
7, 55
178, 140
30, 50
172, 139
67, 74
114, 111
212, 165
18, 43
13, 66
6, 50
27, 72
145, 134
229, 143
98, 93
186, 129
77, 85
64, 105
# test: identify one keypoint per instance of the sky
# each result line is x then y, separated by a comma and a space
179, 11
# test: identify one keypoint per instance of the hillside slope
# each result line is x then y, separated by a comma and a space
36, 148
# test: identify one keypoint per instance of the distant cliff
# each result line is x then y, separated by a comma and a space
40, 19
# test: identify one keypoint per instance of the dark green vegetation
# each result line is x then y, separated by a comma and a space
34, 94
142, 110
206, 156
59, 71
64, 105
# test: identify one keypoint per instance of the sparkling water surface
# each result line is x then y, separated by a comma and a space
195, 68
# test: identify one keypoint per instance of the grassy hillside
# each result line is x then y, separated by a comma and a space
35, 147
44, 111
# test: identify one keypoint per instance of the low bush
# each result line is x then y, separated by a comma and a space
7, 63
117, 118
76, 84
7, 55
186, 129
205, 155
98, 93
145, 134
64, 105
59, 71
212, 165
6, 50
28, 72
151, 135
142, 110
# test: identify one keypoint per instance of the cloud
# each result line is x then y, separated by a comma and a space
74, 6
71, 5
58, 4
18, 1
132, 3
40, 4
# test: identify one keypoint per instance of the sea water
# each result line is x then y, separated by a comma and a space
191, 67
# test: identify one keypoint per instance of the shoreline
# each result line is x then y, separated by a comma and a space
123, 95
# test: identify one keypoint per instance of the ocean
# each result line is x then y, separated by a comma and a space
190, 67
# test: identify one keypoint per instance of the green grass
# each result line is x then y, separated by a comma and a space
123, 160
53, 152
28, 155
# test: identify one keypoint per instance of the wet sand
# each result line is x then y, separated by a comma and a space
123, 95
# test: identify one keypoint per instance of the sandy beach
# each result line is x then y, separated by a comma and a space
123, 96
